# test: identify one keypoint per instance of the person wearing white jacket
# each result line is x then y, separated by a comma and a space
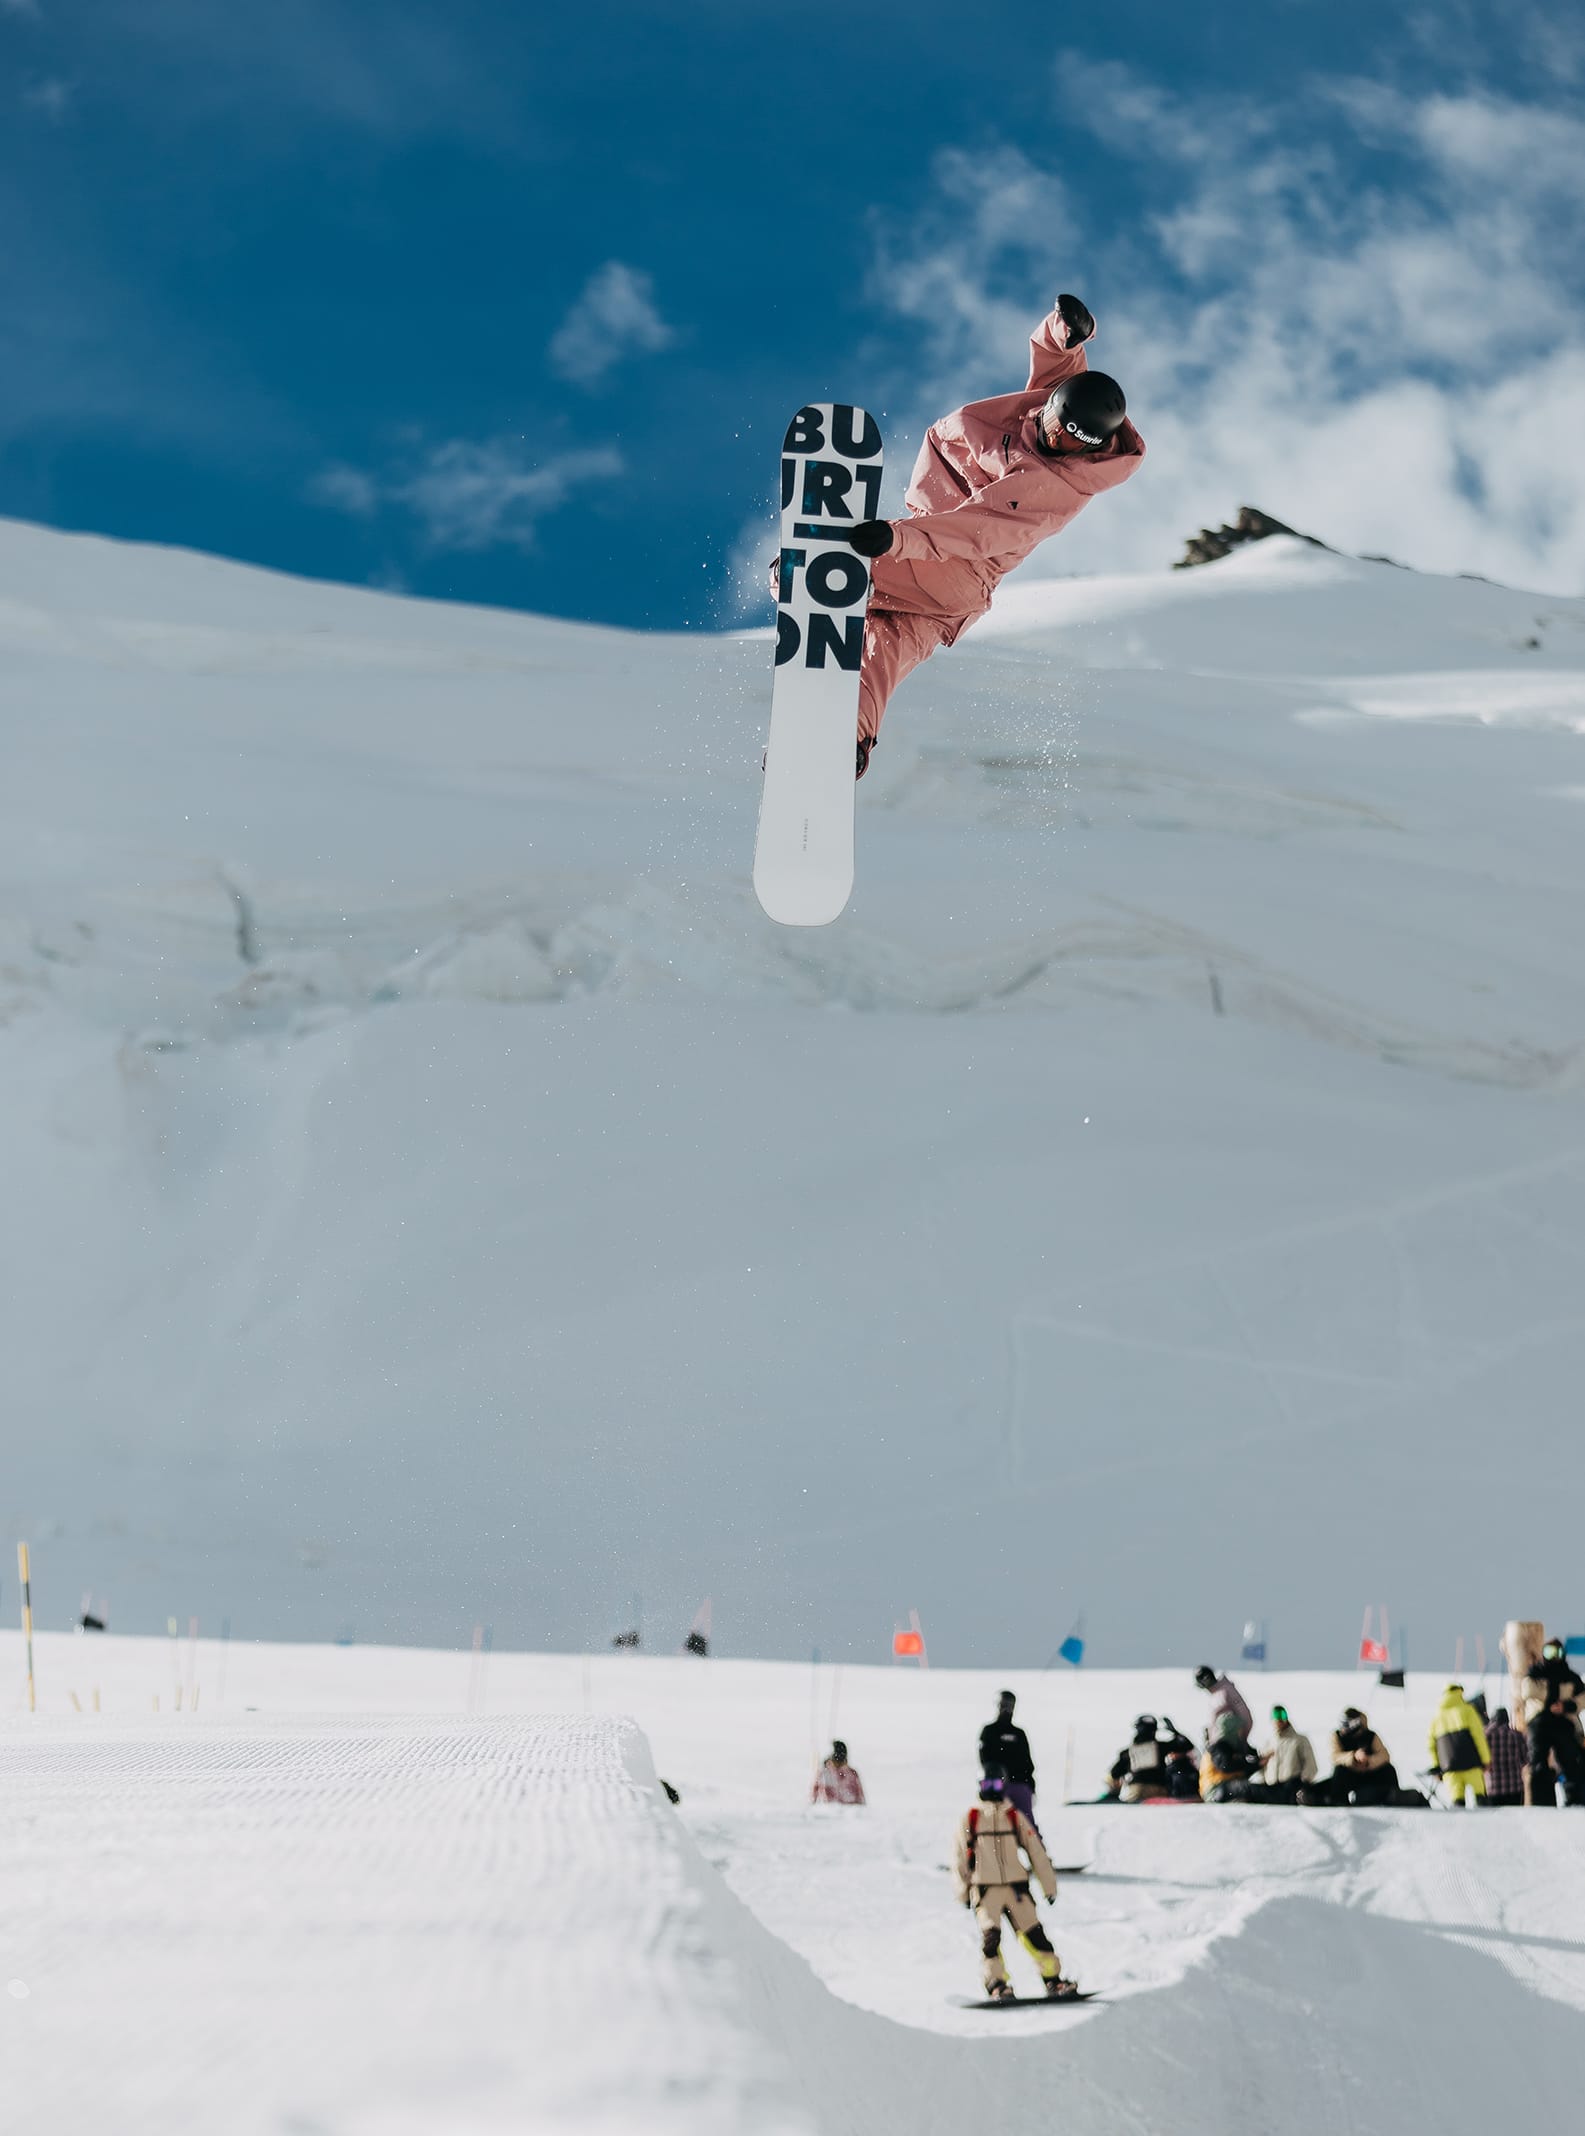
1289, 1763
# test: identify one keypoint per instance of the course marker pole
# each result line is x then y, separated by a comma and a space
25, 1577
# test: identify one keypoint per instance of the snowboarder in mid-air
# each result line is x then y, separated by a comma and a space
992, 480
999, 1852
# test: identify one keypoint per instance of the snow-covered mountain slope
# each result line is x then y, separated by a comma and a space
380, 1891
434, 1192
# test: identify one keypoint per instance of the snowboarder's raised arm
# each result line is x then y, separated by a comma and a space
1035, 1853
1056, 347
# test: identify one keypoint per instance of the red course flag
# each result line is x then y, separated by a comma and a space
1373, 1651
911, 1644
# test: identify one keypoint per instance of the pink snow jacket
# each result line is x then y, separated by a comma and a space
984, 493
1226, 1698
838, 1783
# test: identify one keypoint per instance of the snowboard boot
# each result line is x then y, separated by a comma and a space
1002, 1992
866, 744
1060, 1990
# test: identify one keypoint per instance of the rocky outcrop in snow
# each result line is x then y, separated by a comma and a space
1252, 524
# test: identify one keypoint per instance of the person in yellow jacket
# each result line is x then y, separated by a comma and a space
1459, 1749
995, 1841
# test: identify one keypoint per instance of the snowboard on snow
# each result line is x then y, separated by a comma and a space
830, 480
1032, 2002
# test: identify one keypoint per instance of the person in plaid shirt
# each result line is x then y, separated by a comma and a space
1509, 1755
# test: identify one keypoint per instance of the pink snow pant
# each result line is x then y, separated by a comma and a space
913, 609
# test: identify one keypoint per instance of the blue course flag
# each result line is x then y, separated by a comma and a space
1574, 1646
1072, 1649
1252, 1650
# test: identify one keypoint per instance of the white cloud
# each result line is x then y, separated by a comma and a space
469, 494
614, 315
51, 96
1396, 368
346, 489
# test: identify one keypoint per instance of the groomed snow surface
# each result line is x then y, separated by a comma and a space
419, 1151
362, 1892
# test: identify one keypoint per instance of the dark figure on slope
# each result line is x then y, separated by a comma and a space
1004, 1749
1551, 1694
1508, 1756
1142, 1770
1362, 1773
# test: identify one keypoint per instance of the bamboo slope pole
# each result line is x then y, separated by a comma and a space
25, 1576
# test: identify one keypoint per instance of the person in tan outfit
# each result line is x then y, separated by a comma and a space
999, 1853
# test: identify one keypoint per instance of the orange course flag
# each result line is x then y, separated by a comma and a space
908, 1643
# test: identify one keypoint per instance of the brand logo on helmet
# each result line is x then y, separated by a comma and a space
1083, 436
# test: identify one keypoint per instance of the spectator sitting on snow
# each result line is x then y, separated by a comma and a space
837, 1781
1140, 1772
1225, 1699
1004, 1749
1553, 1731
1507, 1756
1183, 1767
1362, 1772
1227, 1770
1458, 1748
1290, 1762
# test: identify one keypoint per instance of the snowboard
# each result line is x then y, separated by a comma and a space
1033, 2002
830, 480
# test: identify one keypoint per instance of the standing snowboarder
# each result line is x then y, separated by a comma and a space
1459, 1750
992, 480
1550, 1695
1004, 1750
999, 1852
1226, 1698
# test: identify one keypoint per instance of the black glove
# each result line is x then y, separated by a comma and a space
872, 537
1077, 318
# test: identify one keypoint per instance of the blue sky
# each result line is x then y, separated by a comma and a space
511, 304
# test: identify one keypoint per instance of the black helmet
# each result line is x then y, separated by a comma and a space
1007, 1699
1205, 1676
839, 1751
1089, 407
993, 1787
1553, 1650
1145, 1725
